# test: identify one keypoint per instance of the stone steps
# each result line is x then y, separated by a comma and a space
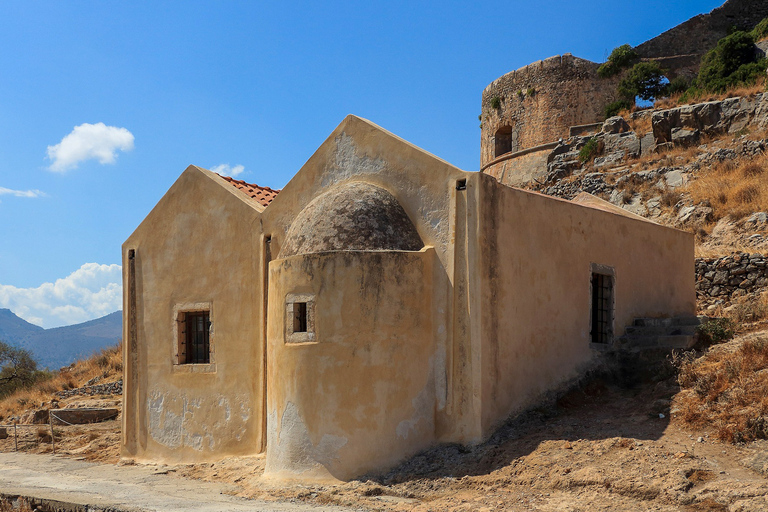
659, 333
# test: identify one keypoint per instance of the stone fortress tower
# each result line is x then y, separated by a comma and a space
526, 112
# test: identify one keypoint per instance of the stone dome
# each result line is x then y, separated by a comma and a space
352, 217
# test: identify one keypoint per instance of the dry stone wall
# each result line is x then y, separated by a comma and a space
110, 388
731, 276
540, 102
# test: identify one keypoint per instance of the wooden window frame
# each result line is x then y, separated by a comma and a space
182, 314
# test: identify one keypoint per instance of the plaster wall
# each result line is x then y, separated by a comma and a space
535, 267
426, 187
362, 395
358, 150
198, 247
541, 101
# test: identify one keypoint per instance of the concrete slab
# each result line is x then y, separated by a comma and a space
123, 488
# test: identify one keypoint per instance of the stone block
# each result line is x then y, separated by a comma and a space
82, 416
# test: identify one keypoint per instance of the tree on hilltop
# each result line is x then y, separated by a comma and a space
17, 369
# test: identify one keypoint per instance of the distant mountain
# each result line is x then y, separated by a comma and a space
13, 327
61, 346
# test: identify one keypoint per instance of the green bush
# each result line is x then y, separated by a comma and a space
761, 30
731, 63
496, 102
716, 330
677, 85
645, 80
589, 150
17, 369
620, 58
617, 106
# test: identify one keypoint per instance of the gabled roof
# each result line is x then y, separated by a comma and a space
263, 195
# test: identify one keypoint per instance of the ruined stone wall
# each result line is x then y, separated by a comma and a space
522, 167
679, 49
540, 102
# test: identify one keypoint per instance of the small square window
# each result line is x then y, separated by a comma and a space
299, 318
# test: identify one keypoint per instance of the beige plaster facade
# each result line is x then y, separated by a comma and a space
384, 301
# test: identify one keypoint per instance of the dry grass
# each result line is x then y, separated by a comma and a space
702, 96
107, 364
734, 190
727, 389
750, 310
640, 125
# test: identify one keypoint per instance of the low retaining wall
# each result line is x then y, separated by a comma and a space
732, 276
110, 388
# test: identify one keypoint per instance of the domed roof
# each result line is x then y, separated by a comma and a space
352, 217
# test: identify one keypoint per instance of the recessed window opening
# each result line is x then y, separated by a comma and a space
195, 337
461, 184
503, 140
300, 317
602, 308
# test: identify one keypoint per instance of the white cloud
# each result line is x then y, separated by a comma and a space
20, 193
227, 170
89, 292
89, 142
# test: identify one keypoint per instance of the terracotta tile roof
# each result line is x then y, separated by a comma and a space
264, 195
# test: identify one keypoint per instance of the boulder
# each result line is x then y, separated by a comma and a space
38, 417
615, 124
624, 144
685, 137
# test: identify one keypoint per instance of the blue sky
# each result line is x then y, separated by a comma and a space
104, 104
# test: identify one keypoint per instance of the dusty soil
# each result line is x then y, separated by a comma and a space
603, 446
98, 442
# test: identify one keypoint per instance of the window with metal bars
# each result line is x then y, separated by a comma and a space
195, 338
602, 308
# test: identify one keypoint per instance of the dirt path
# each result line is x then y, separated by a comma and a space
124, 488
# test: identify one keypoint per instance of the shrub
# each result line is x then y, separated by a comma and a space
645, 80
620, 58
716, 330
531, 91
18, 369
589, 150
731, 63
615, 107
761, 30
496, 102
678, 85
